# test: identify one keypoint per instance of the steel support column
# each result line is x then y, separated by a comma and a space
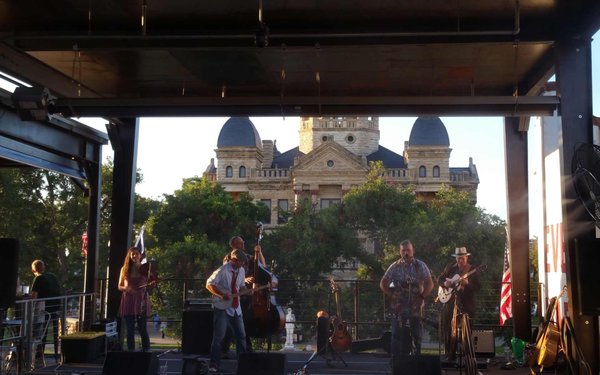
574, 79
515, 146
124, 137
94, 178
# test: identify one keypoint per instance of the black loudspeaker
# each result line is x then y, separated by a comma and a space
197, 327
417, 364
322, 334
261, 364
130, 363
9, 262
587, 259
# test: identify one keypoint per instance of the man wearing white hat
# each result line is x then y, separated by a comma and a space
459, 282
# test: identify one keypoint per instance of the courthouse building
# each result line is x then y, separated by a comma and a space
333, 156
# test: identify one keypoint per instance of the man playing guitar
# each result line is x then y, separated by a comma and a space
408, 282
461, 279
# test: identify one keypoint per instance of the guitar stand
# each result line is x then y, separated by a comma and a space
323, 347
334, 355
324, 351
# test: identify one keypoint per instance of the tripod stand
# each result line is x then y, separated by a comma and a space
460, 338
324, 347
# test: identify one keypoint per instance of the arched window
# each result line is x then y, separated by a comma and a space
436, 171
242, 171
422, 171
229, 171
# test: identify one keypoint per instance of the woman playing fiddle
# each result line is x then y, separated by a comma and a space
135, 306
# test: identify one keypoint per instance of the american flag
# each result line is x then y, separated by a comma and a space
506, 291
84, 243
139, 243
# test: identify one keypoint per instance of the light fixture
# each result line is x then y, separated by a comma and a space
33, 103
261, 34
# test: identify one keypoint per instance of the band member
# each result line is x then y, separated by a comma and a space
408, 282
238, 243
225, 283
462, 289
135, 305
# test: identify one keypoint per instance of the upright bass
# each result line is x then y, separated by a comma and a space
263, 317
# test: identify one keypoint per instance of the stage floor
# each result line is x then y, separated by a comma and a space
172, 362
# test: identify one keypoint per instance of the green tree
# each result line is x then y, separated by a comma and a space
382, 211
203, 207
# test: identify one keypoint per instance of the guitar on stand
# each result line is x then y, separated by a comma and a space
340, 338
548, 339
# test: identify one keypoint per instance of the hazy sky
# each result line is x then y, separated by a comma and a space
171, 149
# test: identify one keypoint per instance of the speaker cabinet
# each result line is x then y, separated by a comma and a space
417, 364
261, 364
197, 327
9, 260
587, 259
130, 363
483, 343
322, 334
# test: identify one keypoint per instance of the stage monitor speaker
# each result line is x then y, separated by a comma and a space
261, 364
587, 258
483, 343
417, 364
197, 327
130, 363
9, 264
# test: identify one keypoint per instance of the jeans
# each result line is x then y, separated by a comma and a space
220, 322
130, 321
402, 345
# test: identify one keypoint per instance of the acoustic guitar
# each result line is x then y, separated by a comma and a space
340, 338
547, 342
445, 293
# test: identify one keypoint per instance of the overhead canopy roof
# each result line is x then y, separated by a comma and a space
190, 57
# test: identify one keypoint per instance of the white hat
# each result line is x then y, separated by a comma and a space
460, 251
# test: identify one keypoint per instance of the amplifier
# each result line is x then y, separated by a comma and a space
483, 342
198, 303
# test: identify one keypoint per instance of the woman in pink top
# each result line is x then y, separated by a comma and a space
135, 307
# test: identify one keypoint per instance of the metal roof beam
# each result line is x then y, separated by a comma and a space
311, 106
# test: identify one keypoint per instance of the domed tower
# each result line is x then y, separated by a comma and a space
428, 151
359, 135
239, 152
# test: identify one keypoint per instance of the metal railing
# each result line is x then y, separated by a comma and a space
27, 325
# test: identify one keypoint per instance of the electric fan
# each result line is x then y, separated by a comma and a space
586, 174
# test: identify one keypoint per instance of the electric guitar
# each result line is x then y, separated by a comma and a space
222, 304
340, 338
445, 293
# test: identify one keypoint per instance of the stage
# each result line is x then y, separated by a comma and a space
174, 362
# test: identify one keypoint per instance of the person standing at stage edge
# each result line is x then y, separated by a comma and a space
135, 305
408, 282
225, 282
463, 295
46, 285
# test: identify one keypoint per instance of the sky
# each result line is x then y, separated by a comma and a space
170, 149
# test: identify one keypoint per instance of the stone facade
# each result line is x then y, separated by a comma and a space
331, 159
